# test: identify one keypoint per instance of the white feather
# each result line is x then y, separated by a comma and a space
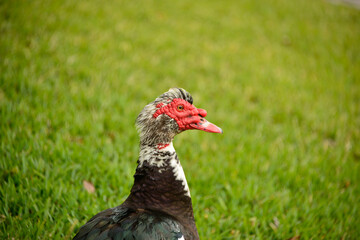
146, 155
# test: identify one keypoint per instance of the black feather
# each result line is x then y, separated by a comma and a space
139, 225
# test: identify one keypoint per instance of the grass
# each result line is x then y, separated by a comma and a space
281, 78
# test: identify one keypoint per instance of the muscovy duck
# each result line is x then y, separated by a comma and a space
159, 205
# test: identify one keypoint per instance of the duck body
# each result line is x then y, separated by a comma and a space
159, 205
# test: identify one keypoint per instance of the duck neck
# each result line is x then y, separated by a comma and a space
164, 163
160, 183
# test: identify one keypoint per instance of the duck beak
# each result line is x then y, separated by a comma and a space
206, 126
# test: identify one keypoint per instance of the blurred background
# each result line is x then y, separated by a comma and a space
281, 78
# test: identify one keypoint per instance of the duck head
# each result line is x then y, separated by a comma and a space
170, 114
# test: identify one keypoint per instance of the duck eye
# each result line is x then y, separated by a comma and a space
180, 107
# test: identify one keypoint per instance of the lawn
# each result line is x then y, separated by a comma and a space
281, 78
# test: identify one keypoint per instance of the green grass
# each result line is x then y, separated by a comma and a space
282, 79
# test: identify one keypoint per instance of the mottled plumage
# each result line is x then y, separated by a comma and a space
159, 205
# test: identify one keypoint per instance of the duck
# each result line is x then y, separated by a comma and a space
159, 205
